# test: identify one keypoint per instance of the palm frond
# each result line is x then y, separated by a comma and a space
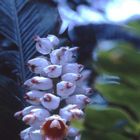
20, 20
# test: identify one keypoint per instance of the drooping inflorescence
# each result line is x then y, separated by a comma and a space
57, 94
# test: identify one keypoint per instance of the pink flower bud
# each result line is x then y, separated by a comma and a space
65, 89
52, 71
54, 128
72, 68
71, 112
71, 77
43, 45
33, 97
62, 56
80, 100
50, 101
37, 64
39, 83
53, 39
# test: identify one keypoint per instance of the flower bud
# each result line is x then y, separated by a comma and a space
80, 100
71, 112
71, 77
72, 68
83, 90
54, 128
31, 134
37, 64
53, 39
33, 97
85, 77
24, 112
43, 45
65, 89
50, 101
39, 83
29, 119
52, 71
36, 117
62, 56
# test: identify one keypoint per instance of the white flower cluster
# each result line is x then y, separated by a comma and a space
58, 93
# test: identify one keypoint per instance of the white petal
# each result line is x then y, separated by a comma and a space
80, 100
53, 39
37, 64
36, 135
71, 112
65, 89
83, 90
39, 83
50, 101
55, 123
33, 97
29, 119
62, 56
72, 68
36, 117
43, 45
24, 134
52, 71
71, 77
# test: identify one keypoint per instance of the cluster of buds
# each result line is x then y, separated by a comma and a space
57, 94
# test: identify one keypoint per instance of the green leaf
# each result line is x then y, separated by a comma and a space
20, 20
92, 135
107, 119
121, 94
78, 124
123, 61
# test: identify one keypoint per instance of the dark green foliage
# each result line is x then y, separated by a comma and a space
10, 102
120, 119
21, 20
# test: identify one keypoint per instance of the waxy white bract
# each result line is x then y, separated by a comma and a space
53, 39
72, 68
71, 112
65, 89
36, 65
39, 83
43, 45
80, 100
52, 71
50, 101
33, 97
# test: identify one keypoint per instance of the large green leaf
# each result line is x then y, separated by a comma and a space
106, 123
121, 94
92, 135
122, 61
20, 20
107, 119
